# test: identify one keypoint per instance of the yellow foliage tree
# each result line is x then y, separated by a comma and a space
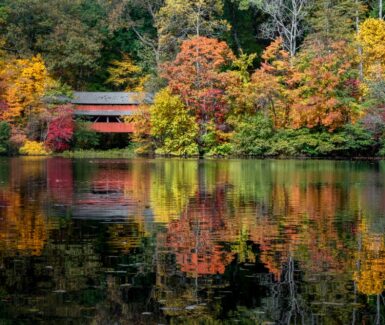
372, 40
125, 74
25, 82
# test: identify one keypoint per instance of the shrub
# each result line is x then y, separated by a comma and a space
60, 130
225, 149
5, 135
84, 137
252, 136
33, 148
256, 137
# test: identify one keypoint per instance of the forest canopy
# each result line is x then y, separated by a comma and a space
245, 77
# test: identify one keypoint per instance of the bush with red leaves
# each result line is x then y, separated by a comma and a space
61, 130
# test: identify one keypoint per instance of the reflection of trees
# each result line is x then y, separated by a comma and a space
173, 183
193, 244
194, 223
369, 275
23, 227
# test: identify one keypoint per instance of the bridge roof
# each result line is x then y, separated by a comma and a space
112, 98
103, 113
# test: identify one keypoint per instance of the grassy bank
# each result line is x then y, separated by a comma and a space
112, 153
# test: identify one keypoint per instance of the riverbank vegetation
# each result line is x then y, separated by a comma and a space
230, 77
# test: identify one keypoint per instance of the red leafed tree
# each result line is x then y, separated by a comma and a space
197, 76
61, 129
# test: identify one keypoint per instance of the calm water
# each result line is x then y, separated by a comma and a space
191, 242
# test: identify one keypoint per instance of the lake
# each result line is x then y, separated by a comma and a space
161, 241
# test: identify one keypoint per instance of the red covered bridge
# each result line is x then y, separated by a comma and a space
107, 110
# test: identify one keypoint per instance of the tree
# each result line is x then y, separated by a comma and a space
334, 20
140, 16
180, 19
173, 129
142, 131
328, 88
126, 75
60, 130
26, 81
286, 21
371, 37
197, 76
68, 33
268, 91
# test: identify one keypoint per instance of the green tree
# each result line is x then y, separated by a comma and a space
68, 33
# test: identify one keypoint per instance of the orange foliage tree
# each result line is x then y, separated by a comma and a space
328, 88
197, 76
272, 83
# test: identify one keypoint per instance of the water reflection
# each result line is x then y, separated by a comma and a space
186, 241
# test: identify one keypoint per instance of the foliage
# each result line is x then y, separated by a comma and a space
33, 148
112, 153
84, 138
371, 37
126, 75
142, 131
334, 20
26, 81
173, 129
252, 136
255, 136
316, 87
328, 88
178, 20
197, 76
69, 33
5, 135
60, 131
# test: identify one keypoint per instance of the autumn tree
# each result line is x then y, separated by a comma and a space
271, 84
240, 93
328, 88
124, 74
26, 81
173, 128
60, 130
197, 76
142, 131
371, 37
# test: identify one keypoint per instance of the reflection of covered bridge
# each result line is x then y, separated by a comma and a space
107, 110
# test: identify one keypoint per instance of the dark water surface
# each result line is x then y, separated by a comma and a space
191, 242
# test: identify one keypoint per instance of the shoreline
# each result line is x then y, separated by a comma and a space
129, 154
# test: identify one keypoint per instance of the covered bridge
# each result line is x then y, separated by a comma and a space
107, 110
